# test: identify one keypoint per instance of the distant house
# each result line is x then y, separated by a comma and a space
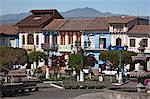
95, 35
65, 33
8, 35
119, 27
30, 28
136, 34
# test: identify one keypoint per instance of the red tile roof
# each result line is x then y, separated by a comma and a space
76, 25
140, 29
55, 25
99, 23
39, 18
122, 19
8, 29
50, 11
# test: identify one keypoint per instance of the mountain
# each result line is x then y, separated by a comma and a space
74, 13
12, 18
85, 13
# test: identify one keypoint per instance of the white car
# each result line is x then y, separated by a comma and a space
109, 72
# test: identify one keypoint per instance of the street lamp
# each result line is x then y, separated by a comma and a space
87, 44
78, 45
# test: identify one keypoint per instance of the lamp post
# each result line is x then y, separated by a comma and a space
78, 45
49, 49
120, 67
79, 48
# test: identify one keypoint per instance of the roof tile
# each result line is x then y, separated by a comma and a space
140, 29
8, 29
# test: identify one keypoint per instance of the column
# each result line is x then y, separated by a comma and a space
26, 38
34, 38
20, 40
74, 38
40, 40
82, 39
96, 37
113, 40
66, 38
58, 39
50, 38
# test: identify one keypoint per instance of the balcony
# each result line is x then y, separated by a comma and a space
65, 48
96, 49
30, 47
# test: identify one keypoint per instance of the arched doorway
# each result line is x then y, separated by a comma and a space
118, 42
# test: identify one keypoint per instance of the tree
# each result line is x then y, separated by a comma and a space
113, 57
12, 56
90, 60
36, 56
75, 61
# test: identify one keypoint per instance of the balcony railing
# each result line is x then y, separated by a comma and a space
65, 48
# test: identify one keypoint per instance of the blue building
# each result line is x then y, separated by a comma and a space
96, 42
8, 35
97, 37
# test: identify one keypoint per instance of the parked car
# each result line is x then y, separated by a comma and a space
109, 72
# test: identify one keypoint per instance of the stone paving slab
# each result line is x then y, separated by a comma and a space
98, 95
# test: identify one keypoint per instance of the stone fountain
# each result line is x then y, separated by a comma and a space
141, 57
141, 74
135, 89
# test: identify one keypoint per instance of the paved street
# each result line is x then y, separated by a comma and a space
53, 93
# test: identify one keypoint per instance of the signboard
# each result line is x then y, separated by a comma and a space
117, 48
65, 48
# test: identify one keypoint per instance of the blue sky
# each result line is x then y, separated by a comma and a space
115, 6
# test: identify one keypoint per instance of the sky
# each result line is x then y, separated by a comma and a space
130, 7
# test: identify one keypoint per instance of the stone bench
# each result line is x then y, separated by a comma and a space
11, 89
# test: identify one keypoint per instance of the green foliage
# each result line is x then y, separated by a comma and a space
113, 57
110, 78
75, 61
36, 56
11, 56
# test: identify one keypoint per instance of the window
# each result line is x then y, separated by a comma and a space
23, 40
132, 42
146, 42
30, 39
118, 42
70, 37
102, 42
37, 40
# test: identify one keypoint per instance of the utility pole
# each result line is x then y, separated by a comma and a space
120, 66
81, 70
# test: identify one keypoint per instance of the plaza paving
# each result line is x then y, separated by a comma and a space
54, 93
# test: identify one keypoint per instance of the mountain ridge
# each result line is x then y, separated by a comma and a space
78, 13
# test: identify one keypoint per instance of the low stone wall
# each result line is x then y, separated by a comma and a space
112, 94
